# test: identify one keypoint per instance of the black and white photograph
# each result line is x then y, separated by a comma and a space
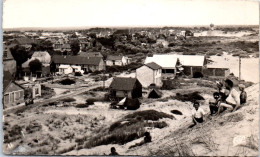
130, 77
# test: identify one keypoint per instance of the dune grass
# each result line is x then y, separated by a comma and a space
129, 128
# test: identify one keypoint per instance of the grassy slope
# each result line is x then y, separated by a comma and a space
214, 137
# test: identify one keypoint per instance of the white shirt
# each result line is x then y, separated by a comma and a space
198, 113
233, 97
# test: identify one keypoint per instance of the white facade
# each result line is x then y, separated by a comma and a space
65, 69
147, 76
118, 62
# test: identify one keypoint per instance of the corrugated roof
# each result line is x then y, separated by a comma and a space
153, 66
123, 83
58, 59
113, 57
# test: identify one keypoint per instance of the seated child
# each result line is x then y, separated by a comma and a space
197, 114
214, 104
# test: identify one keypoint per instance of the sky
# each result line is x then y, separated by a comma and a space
109, 13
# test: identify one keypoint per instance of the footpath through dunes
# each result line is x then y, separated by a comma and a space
229, 134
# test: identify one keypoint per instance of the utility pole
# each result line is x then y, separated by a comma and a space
239, 67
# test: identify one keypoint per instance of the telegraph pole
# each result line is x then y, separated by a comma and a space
239, 67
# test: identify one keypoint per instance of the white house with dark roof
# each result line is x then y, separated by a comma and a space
150, 73
113, 60
78, 63
190, 63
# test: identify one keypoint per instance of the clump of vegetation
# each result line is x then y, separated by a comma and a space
81, 105
68, 100
149, 115
171, 84
129, 128
77, 74
188, 97
177, 112
47, 92
67, 82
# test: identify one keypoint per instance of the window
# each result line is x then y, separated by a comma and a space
5, 54
11, 97
6, 98
21, 94
17, 95
36, 91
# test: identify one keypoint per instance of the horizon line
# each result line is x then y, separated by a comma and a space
129, 26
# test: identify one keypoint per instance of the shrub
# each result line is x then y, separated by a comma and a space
67, 81
177, 112
171, 84
77, 74
81, 105
149, 115
68, 100
188, 97
91, 101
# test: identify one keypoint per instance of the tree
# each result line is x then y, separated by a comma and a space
74, 46
20, 56
35, 66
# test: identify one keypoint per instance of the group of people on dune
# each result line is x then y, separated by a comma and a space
226, 98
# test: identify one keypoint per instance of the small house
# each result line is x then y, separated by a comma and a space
44, 57
13, 93
125, 87
168, 62
113, 60
78, 63
150, 73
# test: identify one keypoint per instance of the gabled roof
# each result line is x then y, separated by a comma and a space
7, 79
113, 57
153, 66
40, 54
58, 59
43, 56
123, 83
24, 41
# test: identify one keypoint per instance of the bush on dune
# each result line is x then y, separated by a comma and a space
149, 115
129, 128
68, 100
195, 96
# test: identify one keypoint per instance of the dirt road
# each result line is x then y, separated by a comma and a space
46, 101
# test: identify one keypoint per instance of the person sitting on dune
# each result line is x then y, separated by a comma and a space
113, 152
214, 103
232, 101
197, 114
243, 94
147, 139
